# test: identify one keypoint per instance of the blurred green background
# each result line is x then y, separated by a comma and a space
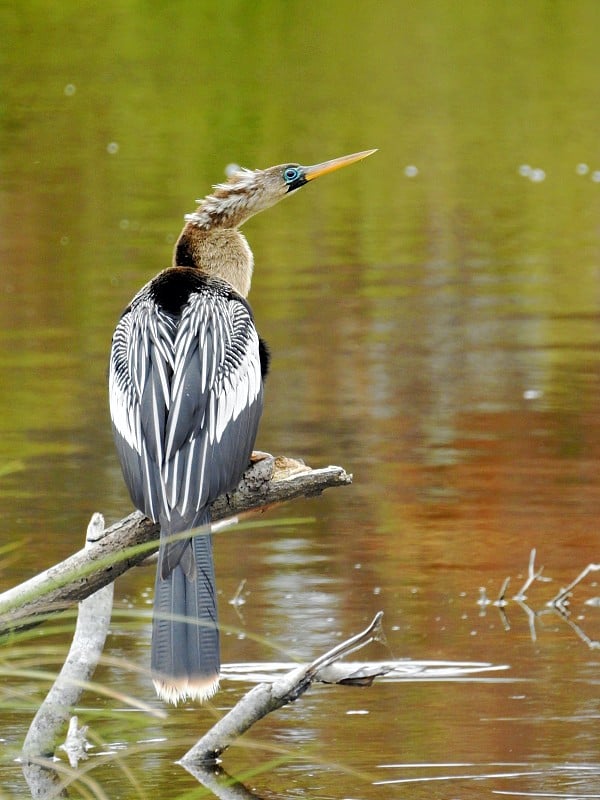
434, 311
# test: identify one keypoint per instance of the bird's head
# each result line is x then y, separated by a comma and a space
246, 192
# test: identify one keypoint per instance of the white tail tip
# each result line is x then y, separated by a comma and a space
176, 691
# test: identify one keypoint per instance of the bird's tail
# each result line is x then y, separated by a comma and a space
185, 638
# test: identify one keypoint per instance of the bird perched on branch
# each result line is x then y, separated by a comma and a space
186, 395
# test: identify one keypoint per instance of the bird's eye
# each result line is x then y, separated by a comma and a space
291, 174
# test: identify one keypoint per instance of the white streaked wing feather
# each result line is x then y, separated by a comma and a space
175, 482
204, 370
187, 477
123, 409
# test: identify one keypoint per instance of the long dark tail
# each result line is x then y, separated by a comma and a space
185, 638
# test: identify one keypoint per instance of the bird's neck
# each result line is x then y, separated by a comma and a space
220, 252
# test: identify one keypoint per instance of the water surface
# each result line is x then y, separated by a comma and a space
434, 317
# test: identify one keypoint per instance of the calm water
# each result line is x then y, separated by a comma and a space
434, 316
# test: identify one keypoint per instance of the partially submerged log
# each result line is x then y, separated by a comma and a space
268, 481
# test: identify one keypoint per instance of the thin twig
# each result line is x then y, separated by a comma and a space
501, 601
532, 575
561, 600
371, 633
237, 599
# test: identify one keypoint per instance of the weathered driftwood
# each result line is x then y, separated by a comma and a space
45, 775
86, 648
128, 542
267, 697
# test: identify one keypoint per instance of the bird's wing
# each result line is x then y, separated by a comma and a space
141, 365
216, 401
186, 400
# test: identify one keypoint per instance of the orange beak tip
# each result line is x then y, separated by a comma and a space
310, 173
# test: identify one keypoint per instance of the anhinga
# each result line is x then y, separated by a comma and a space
186, 393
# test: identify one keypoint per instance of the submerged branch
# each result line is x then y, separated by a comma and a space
130, 541
267, 697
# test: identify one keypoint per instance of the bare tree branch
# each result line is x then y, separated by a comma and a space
267, 697
86, 648
128, 542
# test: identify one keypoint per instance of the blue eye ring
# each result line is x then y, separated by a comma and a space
291, 174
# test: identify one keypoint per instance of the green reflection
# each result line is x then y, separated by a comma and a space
115, 118
413, 315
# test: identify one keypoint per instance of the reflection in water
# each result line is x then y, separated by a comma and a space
435, 333
509, 778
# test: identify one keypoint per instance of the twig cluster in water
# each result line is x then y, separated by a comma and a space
559, 604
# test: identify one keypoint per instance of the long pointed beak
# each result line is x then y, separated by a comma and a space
310, 173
